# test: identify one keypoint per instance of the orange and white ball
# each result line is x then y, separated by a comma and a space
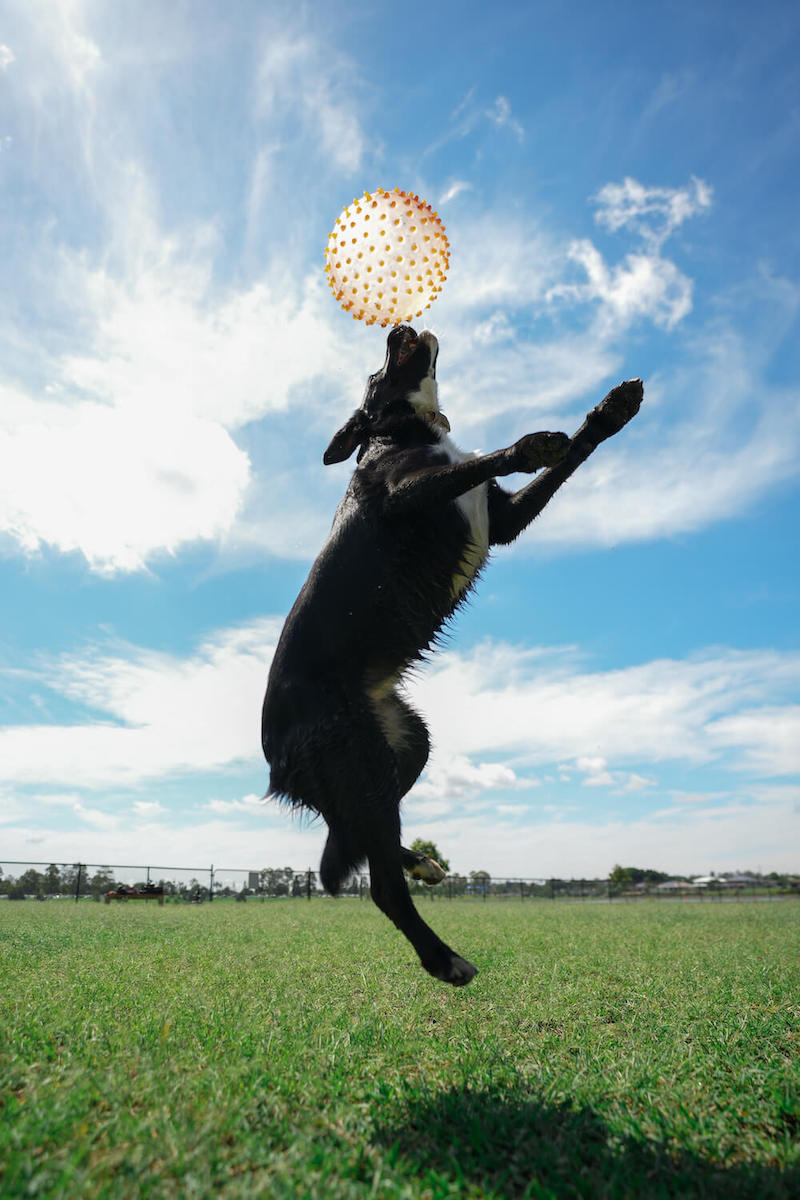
387, 257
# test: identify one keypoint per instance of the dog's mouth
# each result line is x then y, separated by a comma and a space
410, 342
408, 345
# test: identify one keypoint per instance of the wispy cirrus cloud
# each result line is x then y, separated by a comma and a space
654, 213
310, 88
454, 189
500, 114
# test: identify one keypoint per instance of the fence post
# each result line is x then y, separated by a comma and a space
78, 883
308, 884
211, 883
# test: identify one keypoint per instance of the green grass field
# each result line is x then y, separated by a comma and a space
297, 1049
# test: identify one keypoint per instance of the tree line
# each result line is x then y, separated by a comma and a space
77, 881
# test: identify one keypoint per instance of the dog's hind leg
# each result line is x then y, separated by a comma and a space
390, 893
361, 804
407, 734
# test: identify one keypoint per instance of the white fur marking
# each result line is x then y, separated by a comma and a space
475, 510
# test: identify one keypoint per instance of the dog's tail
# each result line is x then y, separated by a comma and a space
340, 858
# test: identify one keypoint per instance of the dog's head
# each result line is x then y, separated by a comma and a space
404, 387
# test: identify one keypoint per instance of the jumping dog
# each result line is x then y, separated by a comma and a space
409, 540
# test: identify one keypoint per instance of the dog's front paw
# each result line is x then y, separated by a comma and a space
537, 450
620, 405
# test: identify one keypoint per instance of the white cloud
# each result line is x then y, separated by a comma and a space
270, 839
309, 85
496, 713
114, 483
454, 189
718, 836
173, 415
501, 115
7, 57
130, 450
148, 808
643, 286
596, 773
652, 212
247, 804
637, 783
459, 777
767, 739
529, 708
162, 714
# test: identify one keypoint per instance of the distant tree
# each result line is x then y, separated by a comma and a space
620, 878
101, 882
52, 880
31, 882
432, 851
69, 880
276, 881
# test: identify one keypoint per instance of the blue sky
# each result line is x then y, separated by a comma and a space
619, 185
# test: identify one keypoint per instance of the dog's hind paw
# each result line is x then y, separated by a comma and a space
458, 971
428, 871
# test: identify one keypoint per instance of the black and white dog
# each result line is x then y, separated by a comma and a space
408, 541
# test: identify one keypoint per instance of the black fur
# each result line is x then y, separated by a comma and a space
340, 737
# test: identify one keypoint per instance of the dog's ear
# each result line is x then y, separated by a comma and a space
347, 439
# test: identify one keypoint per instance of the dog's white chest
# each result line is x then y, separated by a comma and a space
474, 507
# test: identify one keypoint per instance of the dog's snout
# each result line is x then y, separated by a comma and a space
431, 341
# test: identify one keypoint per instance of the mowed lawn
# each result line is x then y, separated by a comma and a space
291, 1049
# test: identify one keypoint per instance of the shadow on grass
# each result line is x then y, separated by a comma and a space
502, 1144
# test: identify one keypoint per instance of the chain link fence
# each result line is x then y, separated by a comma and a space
184, 884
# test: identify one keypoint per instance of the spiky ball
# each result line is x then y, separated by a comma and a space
387, 257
